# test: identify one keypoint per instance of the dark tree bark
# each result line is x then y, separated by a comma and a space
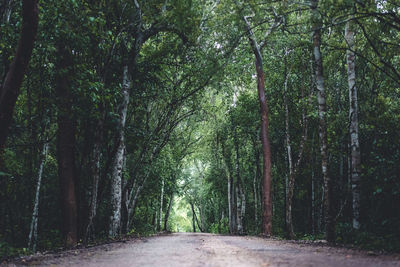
328, 216
267, 202
168, 212
193, 218
66, 146
9, 90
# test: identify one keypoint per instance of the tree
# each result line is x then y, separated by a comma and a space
353, 118
10, 88
316, 27
267, 204
66, 146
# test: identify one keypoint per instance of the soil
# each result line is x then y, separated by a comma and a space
199, 249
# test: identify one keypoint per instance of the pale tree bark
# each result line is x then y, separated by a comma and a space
9, 90
116, 182
267, 202
316, 27
161, 205
353, 118
33, 229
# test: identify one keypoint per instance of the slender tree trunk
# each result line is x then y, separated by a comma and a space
9, 90
293, 166
238, 208
243, 208
33, 231
193, 217
256, 183
95, 171
353, 117
161, 205
155, 216
133, 200
168, 212
239, 194
230, 205
116, 183
329, 223
234, 206
267, 203
290, 179
313, 216
255, 193
66, 146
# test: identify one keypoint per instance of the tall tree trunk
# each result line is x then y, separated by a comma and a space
239, 194
238, 209
289, 183
293, 166
9, 90
233, 205
66, 146
161, 205
168, 212
329, 223
230, 205
313, 193
33, 231
116, 183
243, 208
353, 117
267, 203
95, 172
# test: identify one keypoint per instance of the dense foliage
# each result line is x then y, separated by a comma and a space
162, 94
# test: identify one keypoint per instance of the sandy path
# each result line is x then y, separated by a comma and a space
189, 249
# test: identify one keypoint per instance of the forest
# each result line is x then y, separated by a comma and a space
243, 117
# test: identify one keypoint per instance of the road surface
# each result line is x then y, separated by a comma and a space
198, 249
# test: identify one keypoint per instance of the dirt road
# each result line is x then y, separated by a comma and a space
189, 249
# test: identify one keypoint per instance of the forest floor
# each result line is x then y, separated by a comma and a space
199, 249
